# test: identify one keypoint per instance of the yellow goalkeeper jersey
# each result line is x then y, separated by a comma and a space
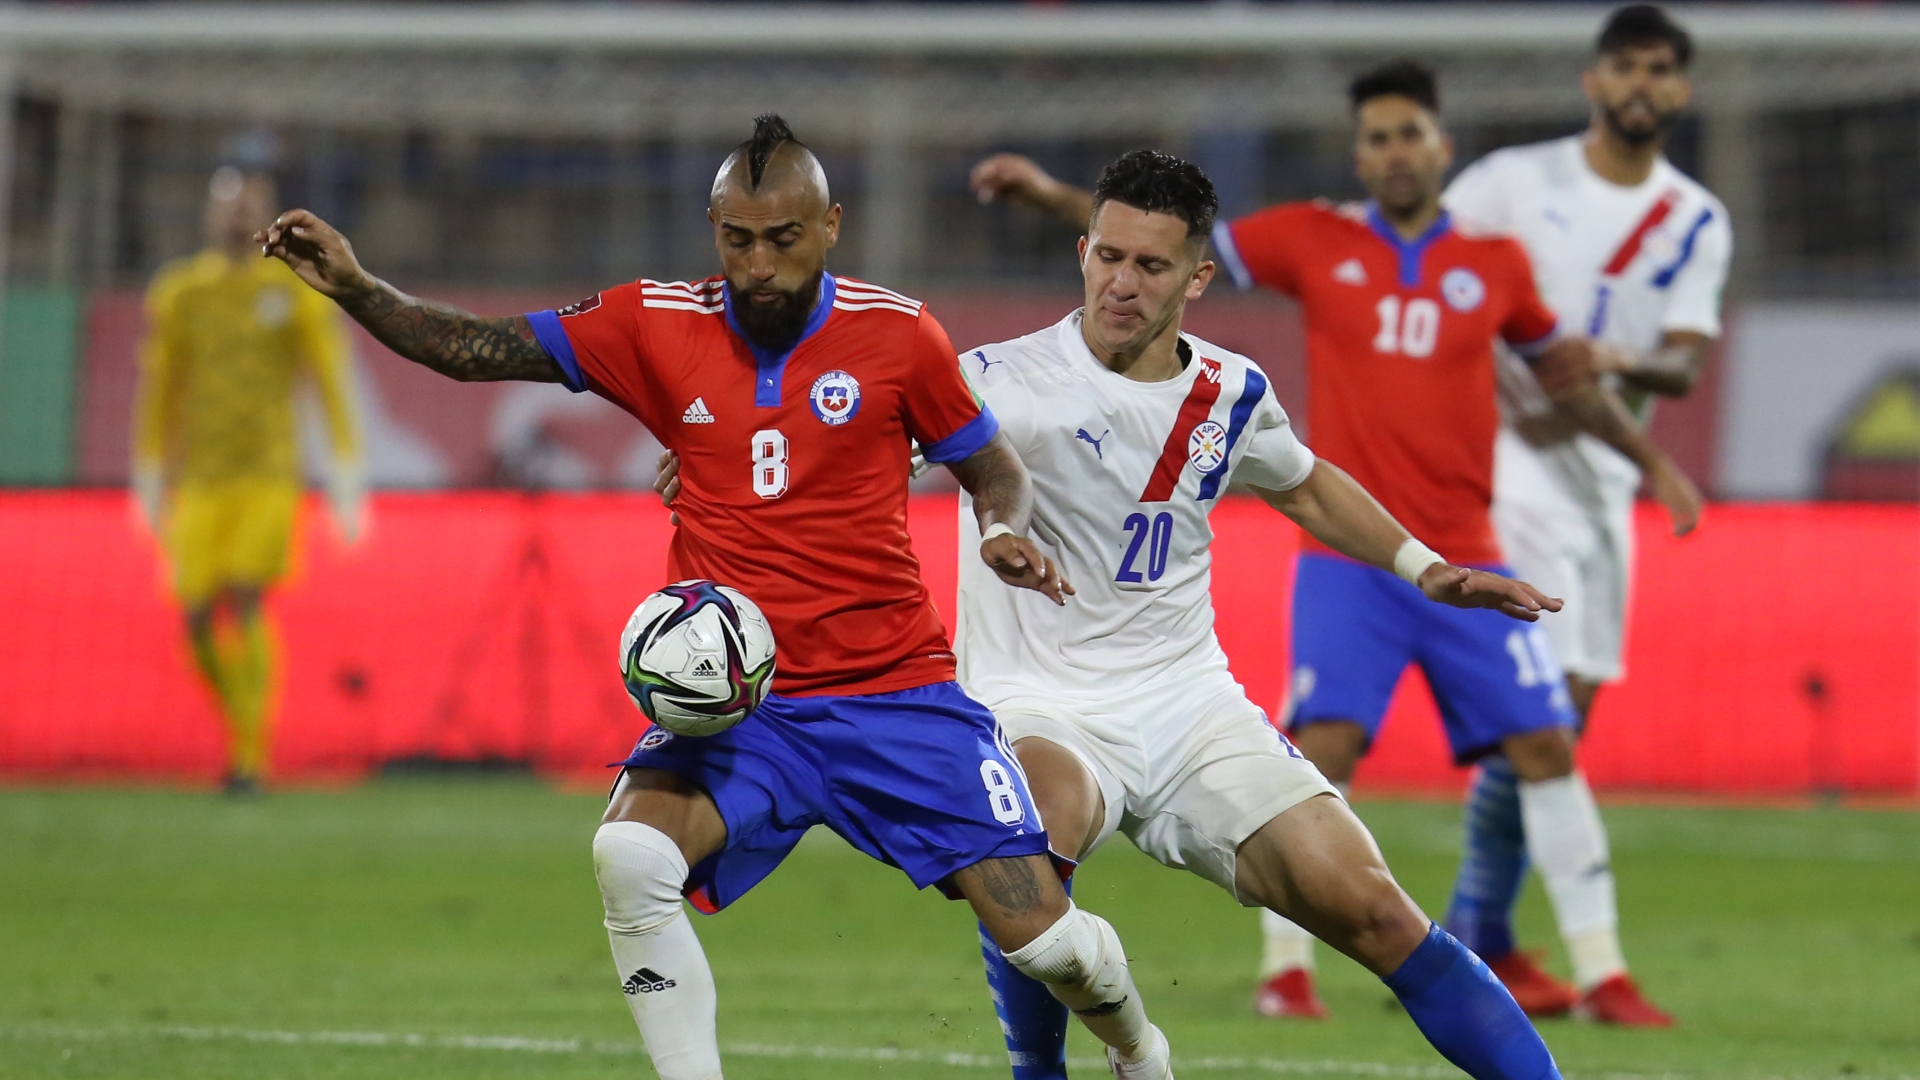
227, 343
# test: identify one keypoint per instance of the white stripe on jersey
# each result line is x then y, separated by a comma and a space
865, 290
875, 305
682, 305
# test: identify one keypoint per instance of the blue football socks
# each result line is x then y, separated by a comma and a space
1467, 1015
1494, 865
1032, 1019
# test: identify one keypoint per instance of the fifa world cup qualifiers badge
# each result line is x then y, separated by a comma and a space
835, 397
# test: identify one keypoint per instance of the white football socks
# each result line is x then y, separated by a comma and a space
1080, 960
1568, 845
1286, 945
657, 956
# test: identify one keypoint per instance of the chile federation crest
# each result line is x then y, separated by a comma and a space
835, 398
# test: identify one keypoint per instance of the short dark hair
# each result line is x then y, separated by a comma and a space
1644, 24
1160, 184
1397, 78
769, 131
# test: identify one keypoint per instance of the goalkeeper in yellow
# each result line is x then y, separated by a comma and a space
232, 337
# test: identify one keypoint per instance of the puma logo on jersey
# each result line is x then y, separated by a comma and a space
1093, 442
697, 413
1350, 273
985, 363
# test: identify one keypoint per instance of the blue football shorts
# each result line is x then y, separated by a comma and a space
1357, 627
919, 779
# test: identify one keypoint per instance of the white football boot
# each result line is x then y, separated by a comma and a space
1157, 1065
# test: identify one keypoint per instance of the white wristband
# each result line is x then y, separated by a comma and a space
998, 528
1413, 559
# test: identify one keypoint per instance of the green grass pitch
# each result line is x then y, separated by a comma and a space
442, 929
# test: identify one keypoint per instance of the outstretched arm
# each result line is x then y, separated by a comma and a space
1669, 369
1340, 514
1003, 503
1020, 180
455, 343
1569, 371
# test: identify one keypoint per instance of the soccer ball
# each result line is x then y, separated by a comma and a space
697, 657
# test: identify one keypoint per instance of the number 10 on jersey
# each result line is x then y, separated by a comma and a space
1411, 329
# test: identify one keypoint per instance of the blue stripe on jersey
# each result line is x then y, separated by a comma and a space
1664, 278
553, 340
771, 367
1250, 396
973, 435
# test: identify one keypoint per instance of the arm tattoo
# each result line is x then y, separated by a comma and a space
1010, 883
1669, 370
1603, 415
455, 343
999, 484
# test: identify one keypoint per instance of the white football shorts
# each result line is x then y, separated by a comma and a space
1567, 530
1187, 769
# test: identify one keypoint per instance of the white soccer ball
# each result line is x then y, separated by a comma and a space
697, 657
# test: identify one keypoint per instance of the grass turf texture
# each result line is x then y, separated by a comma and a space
172, 934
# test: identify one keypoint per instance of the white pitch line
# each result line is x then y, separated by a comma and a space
530, 1045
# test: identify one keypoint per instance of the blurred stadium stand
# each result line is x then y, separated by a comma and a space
548, 149
512, 157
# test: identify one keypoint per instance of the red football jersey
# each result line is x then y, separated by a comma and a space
794, 467
1400, 364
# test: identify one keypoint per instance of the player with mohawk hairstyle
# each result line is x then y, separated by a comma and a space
791, 396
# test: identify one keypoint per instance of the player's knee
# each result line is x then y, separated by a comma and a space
641, 872
1546, 754
1386, 924
1071, 954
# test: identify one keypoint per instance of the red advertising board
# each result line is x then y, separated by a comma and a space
1776, 652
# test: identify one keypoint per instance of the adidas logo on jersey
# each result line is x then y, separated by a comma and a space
646, 981
1350, 273
697, 413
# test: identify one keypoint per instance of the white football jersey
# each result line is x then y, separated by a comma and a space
1620, 264
1124, 476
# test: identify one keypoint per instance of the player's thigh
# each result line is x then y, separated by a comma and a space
923, 779
672, 804
1220, 771
195, 534
1350, 643
1317, 865
1605, 581
262, 534
1493, 678
736, 802
1072, 774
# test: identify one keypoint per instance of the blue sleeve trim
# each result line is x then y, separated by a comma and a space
547, 331
1229, 253
972, 437
1531, 350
